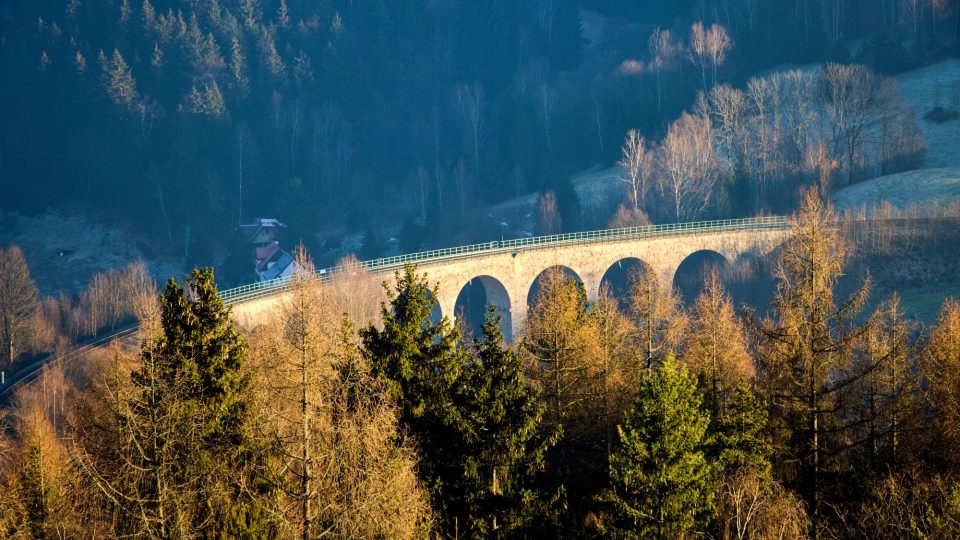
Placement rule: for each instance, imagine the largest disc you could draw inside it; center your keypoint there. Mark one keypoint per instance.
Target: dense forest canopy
(184, 118)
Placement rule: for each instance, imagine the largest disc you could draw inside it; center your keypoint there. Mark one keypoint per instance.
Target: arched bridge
(508, 270)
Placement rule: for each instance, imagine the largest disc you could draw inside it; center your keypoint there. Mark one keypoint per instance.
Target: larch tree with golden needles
(19, 302)
(40, 492)
(805, 350)
(619, 374)
(716, 348)
(885, 403)
(941, 370)
(344, 468)
(561, 344)
(657, 316)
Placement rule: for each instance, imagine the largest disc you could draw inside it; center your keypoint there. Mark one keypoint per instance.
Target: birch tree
(688, 166)
(636, 162)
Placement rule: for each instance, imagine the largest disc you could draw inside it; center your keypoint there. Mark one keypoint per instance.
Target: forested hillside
(632, 417)
(181, 119)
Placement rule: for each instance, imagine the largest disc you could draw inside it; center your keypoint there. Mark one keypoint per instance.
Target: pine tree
(209, 102)
(149, 14)
(283, 15)
(194, 42)
(215, 12)
(271, 58)
(80, 62)
(156, 59)
(662, 482)
(125, 11)
(212, 59)
(737, 434)
(250, 9)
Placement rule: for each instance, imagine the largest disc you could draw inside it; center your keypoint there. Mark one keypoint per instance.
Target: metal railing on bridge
(273, 286)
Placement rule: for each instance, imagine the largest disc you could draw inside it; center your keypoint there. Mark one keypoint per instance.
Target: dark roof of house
(281, 264)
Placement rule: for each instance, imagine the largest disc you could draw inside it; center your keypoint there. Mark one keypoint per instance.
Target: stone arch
(474, 298)
(690, 273)
(617, 276)
(534, 288)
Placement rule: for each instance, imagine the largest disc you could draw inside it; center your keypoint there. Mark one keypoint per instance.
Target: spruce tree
(119, 81)
(659, 471)
(501, 442)
(737, 434)
(177, 455)
(420, 364)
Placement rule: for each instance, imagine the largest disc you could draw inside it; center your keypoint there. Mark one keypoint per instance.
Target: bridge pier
(518, 315)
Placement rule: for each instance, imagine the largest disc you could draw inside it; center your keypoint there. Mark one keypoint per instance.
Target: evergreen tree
(501, 443)
(200, 340)
(737, 434)
(120, 84)
(238, 68)
(176, 451)
(371, 248)
(421, 365)
(659, 471)
(149, 14)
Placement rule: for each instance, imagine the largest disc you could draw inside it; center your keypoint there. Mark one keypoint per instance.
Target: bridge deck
(253, 291)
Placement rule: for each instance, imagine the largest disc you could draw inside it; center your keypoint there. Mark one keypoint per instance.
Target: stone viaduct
(509, 269)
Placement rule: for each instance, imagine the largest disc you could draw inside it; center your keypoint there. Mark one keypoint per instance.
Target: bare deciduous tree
(663, 52)
(358, 292)
(697, 50)
(468, 100)
(848, 94)
(718, 45)
(688, 166)
(708, 46)
(728, 109)
(548, 214)
(636, 161)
